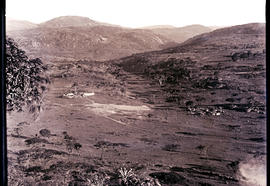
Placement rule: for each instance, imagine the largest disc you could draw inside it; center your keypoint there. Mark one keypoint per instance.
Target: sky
(141, 13)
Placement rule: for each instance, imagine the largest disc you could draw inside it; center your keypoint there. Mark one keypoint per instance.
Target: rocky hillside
(80, 37)
(220, 78)
(95, 43)
(180, 34)
(210, 73)
(83, 38)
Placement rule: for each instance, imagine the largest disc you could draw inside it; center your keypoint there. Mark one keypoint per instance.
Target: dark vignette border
(267, 88)
(3, 98)
(3, 153)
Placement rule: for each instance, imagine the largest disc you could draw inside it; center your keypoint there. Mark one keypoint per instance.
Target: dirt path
(83, 139)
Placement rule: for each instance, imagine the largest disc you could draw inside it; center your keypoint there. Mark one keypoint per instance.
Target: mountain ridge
(68, 21)
(93, 43)
(12, 24)
(180, 34)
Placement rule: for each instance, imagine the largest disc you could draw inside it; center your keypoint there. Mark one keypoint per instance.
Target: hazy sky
(139, 13)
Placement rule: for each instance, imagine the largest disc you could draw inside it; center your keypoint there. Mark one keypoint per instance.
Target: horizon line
(140, 27)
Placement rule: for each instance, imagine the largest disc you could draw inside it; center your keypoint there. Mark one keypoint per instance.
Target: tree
(25, 79)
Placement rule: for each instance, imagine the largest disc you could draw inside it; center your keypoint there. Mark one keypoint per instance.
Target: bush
(25, 79)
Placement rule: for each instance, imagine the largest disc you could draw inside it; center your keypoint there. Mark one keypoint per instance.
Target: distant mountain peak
(69, 21)
(180, 34)
(12, 24)
(157, 27)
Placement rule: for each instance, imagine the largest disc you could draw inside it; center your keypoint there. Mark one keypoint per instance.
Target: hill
(218, 78)
(157, 27)
(95, 43)
(80, 37)
(180, 34)
(19, 25)
(228, 63)
(69, 21)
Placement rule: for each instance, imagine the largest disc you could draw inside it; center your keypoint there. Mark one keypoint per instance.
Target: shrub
(25, 79)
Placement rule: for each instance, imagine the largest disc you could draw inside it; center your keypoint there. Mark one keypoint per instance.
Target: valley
(187, 114)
